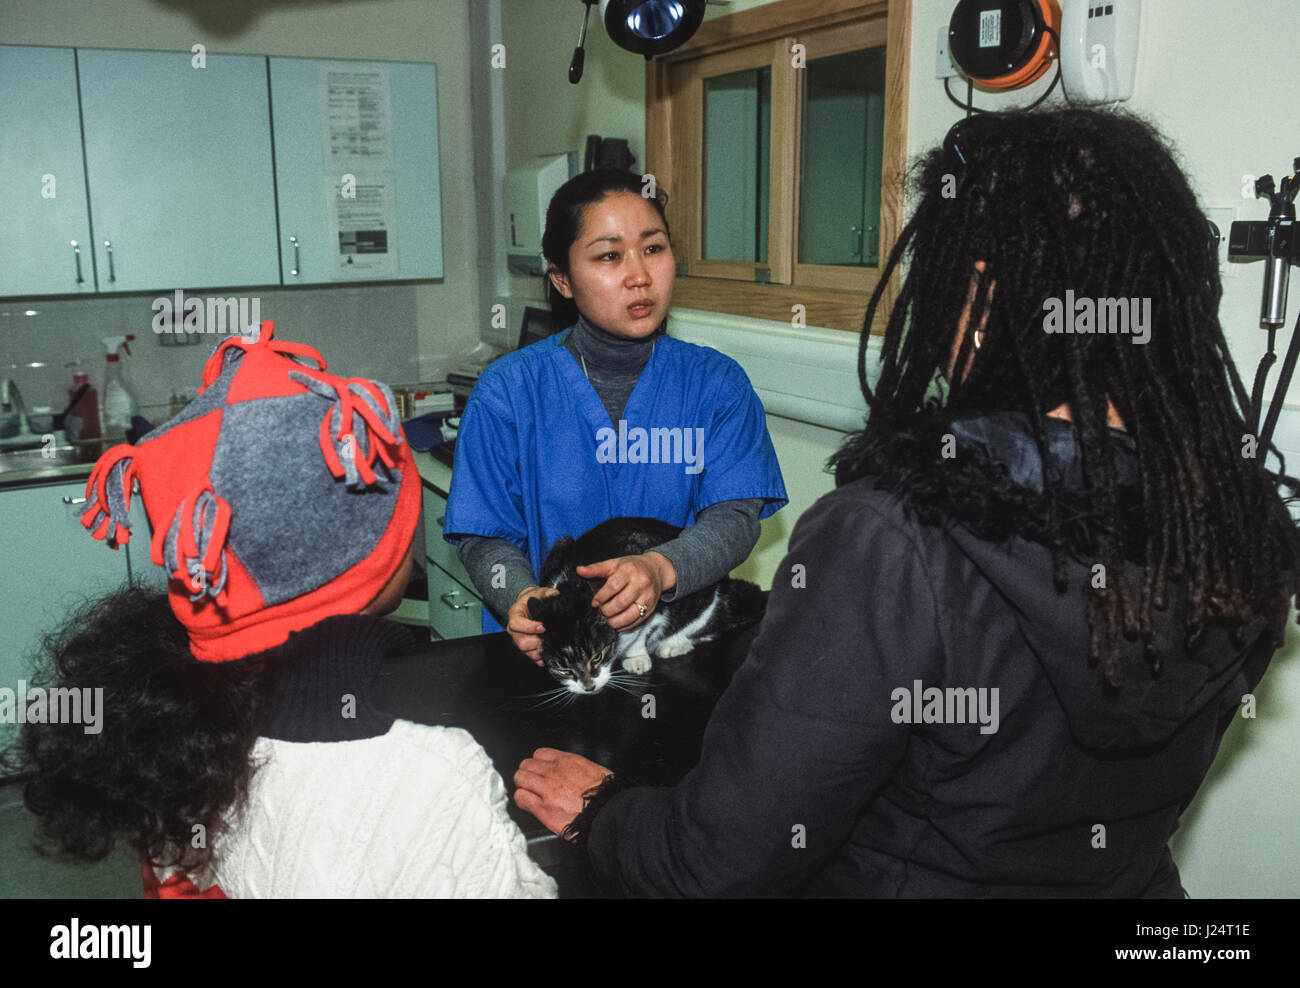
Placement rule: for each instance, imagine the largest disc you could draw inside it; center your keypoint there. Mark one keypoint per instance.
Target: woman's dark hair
(1090, 201)
(173, 752)
(564, 223)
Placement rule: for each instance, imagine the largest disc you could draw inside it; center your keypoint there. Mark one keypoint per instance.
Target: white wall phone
(1099, 45)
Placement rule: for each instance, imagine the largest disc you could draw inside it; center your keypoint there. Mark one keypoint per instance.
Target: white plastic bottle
(119, 402)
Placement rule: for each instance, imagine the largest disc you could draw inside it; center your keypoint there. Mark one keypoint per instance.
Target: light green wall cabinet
(325, 197)
(42, 184)
(182, 173)
(179, 166)
(49, 565)
(143, 571)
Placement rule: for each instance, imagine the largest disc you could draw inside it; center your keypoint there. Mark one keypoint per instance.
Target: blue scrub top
(537, 457)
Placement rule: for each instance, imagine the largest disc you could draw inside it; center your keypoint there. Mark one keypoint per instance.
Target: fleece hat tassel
(280, 496)
(349, 454)
(108, 496)
(194, 549)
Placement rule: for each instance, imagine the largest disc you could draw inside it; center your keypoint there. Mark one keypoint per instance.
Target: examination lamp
(646, 27)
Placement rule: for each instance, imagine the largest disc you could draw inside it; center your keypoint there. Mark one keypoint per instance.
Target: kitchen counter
(651, 734)
(435, 474)
(28, 469)
(44, 476)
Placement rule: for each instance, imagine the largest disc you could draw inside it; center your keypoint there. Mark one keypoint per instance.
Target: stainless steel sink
(40, 459)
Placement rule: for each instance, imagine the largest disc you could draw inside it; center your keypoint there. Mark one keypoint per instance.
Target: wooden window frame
(833, 296)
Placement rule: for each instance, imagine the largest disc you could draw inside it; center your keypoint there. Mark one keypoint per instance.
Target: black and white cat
(579, 647)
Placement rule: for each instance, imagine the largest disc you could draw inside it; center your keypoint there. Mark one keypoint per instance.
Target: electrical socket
(943, 67)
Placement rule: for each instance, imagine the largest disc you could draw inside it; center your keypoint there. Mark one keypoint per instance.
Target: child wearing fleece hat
(240, 751)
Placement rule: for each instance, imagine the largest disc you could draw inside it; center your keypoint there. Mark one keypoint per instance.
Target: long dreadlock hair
(1093, 201)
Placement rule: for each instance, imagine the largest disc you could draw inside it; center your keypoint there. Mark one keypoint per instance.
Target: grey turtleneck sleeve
(480, 556)
(721, 539)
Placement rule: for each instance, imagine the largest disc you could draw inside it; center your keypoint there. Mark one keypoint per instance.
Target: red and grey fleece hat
(281, 496)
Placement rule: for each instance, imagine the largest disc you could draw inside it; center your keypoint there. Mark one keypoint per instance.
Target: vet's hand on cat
(629, 582)
(551, 783)
(524, 630)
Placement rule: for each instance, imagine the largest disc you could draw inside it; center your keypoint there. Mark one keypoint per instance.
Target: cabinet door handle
(76, 256)
(451, 600)
(73, 500)
(108, 245)
(294, 271)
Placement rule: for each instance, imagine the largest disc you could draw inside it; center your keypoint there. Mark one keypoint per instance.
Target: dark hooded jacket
(830, 768)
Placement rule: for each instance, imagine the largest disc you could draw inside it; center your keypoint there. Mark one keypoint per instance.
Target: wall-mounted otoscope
(1274, 240)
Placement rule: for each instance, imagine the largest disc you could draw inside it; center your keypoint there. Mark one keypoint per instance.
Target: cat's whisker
(547, 698)
(632, 682)
(541, 693)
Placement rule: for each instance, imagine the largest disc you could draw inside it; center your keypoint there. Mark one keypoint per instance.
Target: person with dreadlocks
(999, 658)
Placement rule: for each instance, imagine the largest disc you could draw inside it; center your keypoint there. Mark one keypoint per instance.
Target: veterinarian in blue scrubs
(610, 417)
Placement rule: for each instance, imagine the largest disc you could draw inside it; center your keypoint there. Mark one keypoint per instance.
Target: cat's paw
(637, 664)
(672, 647)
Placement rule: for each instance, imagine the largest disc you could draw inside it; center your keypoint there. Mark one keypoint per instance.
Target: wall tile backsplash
(362, 331)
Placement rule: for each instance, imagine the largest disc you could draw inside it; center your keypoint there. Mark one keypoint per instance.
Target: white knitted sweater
(364, 805)
(417, 812)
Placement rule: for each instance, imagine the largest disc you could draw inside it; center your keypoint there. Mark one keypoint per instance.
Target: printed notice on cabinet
(358, 147)
(358, 118)
(362, 225)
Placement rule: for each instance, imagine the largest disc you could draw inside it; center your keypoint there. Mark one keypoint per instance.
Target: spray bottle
(81, 417)
(119, 402)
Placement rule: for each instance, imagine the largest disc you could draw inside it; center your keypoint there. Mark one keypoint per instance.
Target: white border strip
(807, 374)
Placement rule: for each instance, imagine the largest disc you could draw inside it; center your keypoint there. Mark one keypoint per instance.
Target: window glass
(843, 137)
(737, 160)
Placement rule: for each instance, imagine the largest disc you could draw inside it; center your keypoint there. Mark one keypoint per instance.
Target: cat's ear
(555, 559)
(537, 607)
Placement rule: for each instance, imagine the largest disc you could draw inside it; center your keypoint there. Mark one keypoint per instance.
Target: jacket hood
(1165, 680)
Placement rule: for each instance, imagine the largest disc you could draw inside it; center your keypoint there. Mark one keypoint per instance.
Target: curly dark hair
(174, 749)
(1089, 200)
